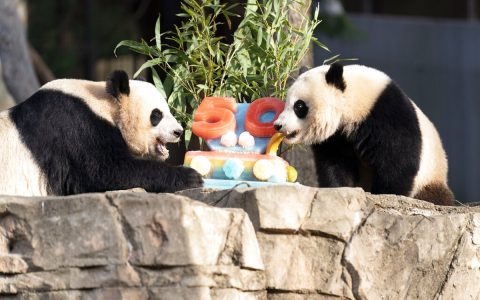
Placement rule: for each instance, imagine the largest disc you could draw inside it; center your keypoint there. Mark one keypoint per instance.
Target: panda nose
(277, 127)
(178, 132)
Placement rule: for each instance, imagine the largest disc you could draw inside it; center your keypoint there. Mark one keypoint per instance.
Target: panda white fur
(366, 132)
(77, 136)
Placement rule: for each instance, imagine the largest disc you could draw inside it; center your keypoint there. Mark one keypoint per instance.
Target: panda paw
(188, 178)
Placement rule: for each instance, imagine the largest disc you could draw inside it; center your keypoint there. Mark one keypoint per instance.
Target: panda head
(143, 116)
(313, 110)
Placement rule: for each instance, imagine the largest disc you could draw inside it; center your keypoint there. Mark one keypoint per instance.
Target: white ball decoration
(246, 140)
(229, 139)
(201, 164)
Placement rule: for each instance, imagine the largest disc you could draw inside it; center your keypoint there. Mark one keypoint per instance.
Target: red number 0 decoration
(214, 117)
(256, 110)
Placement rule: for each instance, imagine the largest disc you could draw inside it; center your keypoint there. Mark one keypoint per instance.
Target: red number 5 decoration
(214, 117)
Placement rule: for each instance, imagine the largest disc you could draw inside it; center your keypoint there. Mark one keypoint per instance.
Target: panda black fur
(78, 136)
(366, 132)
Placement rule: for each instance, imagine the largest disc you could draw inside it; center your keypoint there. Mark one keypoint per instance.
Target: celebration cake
(242, 143)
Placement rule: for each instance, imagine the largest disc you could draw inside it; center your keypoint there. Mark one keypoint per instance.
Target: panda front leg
(160, 177)
(336, 163)
(392, 181)
(119, 174)
(393, 171)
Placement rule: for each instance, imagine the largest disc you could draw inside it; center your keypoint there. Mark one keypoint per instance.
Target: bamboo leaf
(158, 83)
(134, 46)
(158, 35)
(147, 64)
(259, 37)
(266, 49)
(331, 60)
(188, 137)
(168, 85)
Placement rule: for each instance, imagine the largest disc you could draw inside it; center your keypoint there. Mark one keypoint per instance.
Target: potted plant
(266, 51)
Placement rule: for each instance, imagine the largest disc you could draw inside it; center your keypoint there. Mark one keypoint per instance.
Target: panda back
(433, 159)
(20, 174)
(92, 93)
(65, 138)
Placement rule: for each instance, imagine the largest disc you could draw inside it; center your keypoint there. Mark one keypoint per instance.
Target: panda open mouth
(161, 148)
(291, 135)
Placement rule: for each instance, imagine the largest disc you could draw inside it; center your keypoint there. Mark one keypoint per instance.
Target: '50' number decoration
(215, 117)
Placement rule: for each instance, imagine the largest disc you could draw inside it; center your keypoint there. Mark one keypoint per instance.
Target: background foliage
(266, 50)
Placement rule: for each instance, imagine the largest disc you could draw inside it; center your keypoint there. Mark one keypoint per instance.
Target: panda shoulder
(370, 73)
(64, 85)
(91, 93)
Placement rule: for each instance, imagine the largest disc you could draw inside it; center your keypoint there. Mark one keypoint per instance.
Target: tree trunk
(18, 73)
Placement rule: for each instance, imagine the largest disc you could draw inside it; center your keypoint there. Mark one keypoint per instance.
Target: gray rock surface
(123, 245)
(281, 242)
(12, 264)
(326, 243)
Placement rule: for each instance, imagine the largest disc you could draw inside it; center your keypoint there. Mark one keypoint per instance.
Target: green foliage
(266, 49)
(269, 47)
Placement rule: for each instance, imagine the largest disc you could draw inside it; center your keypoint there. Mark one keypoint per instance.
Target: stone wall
(283, 242)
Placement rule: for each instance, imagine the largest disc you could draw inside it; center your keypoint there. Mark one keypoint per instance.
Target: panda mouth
(291, 135)
(161, 148)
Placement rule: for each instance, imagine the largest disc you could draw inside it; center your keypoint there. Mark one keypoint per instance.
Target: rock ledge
(282, 242)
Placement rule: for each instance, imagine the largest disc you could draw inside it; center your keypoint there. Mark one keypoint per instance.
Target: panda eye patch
(300, 109)
(155, 117)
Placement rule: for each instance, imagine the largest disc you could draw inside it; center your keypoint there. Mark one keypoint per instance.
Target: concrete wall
(437, 63)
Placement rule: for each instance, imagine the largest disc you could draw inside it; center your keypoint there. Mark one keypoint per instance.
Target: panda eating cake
(242, 141)
(366, 132)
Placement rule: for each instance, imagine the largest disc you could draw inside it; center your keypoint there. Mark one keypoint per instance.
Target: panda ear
(334, 76)
(117, 84)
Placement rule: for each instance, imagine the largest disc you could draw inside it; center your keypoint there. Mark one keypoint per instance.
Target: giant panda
(365, 132)
(78, 136)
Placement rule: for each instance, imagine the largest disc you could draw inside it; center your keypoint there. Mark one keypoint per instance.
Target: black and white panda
(366, 132)
(77, 136)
